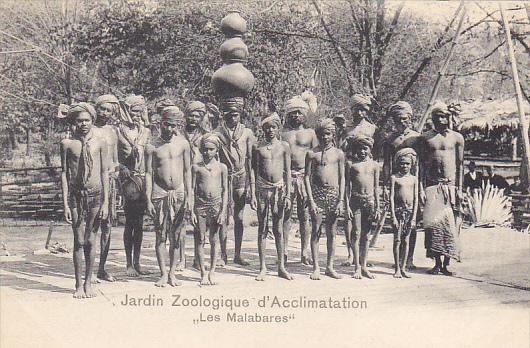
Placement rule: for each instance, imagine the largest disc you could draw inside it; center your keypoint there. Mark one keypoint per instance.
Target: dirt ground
(484, 305)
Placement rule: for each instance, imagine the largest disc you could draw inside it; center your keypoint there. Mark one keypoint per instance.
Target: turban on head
(326, 123)
(232, 104)
(360, 101)
(401, 108)
(135, 102)
(161, 104)
(171, 113)
(439, 108)
(296, 103)
(107, 98)
(195, 106)
(405, 152)
(80, 107)
(272, 118)
(360, 139)
(210, 138)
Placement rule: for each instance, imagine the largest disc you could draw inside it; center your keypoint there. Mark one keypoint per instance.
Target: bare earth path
(484, 305)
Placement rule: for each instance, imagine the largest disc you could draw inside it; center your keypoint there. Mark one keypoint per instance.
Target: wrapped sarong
(326, 198)
(270, 194)
(132, 189)
(83, 200)
(364, 202)
(210, 207)
(441, 233)
(403, 216)
(169, 209)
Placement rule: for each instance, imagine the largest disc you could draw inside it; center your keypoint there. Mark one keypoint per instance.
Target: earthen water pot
(232, 80)
(233, 25)
(234, 50)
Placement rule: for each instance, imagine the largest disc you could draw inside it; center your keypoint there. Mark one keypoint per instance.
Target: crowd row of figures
(189, 174)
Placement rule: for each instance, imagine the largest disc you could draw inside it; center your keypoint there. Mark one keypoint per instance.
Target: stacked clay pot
(233, 79)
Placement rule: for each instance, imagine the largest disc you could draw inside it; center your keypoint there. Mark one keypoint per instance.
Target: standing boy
(168, 191)
(403, 206)
(271, 161)
(362, 186)
(324, 180)
(85, 184)
(210, 187)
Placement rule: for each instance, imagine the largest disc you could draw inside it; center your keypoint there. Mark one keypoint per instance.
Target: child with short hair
(403, 205)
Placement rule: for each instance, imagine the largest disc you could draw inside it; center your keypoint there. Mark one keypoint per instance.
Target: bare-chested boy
(85, 185)
(168, 191)
(403, 136)
(210, 186)
(324, 180)
(441, 171)
(235, 152)
(300, 140)
(403, 206)
(271, 161)
(133, 137)
(107, 108)
(362, 186)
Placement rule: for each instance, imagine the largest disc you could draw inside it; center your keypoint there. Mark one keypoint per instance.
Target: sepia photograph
(260, 173)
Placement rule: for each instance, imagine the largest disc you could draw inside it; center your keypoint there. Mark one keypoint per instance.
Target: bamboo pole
(441, 72)
(523, 123)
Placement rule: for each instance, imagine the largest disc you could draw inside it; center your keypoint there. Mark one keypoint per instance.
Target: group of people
(188, 173)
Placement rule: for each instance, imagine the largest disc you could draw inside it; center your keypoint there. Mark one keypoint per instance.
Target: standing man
(360, 126)
(193, 131)
(473, 179)
(235, 153)
(402, 137)
(107, 108)
(133, 137)
(300, 140)
(442, 155)
(84, 182)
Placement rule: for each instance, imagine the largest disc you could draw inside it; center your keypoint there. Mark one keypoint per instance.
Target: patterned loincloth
(441, 233)
(270, 194)
(403, 216)
(208, 207)
(364, 202)
(326, 198)
(83, 200)
(169, 209)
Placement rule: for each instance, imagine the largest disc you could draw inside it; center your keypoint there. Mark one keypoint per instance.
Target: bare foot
(196, 265)
(410, 267)
(435, 270)
(131, 272)
(367, 274)
(104, 275)
(204, 280)
(306, 260)
(181, 265)
(261, 275)
(140, 270)
(79, 292)
(330, 272)
(315, 275)
(357, 274)
(95, 280)
(405, 274)
(172, 280)
(220, 263)
(161, 283)
(240, 261)
(282, 273)
(397, 274)
(89, 292)
(211, 278)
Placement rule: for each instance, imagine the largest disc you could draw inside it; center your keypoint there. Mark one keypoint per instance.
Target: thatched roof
(487, 115)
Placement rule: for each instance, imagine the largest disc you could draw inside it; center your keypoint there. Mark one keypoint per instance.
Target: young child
(271, 162)
(210, 186)
(362, 186)
(403, 205)
(85, 185)
(324, 180)
(168, 191)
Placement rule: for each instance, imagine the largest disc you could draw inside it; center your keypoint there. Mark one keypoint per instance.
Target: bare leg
(305, 231)
(128, 240)
(214, 230)
(365, 231)
(277, 229)
(160, 248)
(403, 252)
(354, 238)
(223, 260)
(239, 207)
(331, 231)
(396, 250)
(182, 252)
(200, 232)
(91, 228)
(262, 241)
(378, 229)
(315, 239)
(286, 226)
(105, 247)
(347, 235)
(138, 238)
(174, 243)
(410, 256)
(78, 256)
